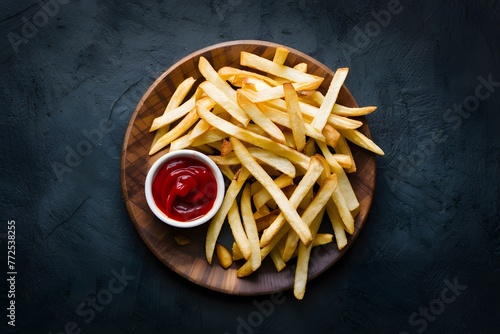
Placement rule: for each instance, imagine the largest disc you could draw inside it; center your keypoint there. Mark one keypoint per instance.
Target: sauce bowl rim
(187, 153)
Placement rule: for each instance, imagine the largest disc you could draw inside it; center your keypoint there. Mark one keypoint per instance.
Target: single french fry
(225, 147)
(287, 209)
(341, 122)
(215, 225)
(265, 65)
(227, 72)
(280, 55)
(180, 143)
(345, 161)
(322, 239)
(224, 256)
(210, 136)
(182, 240)
(216, 145)
(205, 148)
(331, 134)
(352, 112)
(326, 168)
(250, 83)
(317, 98)
(302, 67)
(227, 172)
(310, 148)
(240, 237)
(250, 227)
(307, 199)
(360, 139)
(279, 264)
(237, 254)
(200, 128)
(303, 257)
(343, 209)
(265, 221)
(325, 110)
(295, 114)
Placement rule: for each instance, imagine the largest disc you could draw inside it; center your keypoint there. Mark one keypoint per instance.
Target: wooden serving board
(189, 260)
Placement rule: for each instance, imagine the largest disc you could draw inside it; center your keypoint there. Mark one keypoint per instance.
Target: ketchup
(184, 189)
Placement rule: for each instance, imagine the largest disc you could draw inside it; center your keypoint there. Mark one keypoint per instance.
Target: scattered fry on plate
(224, 256)
(182, 240)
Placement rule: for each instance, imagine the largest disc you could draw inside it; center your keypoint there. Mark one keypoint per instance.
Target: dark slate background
(435, 217)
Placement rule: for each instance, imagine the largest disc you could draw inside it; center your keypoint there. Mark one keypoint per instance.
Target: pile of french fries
(284, 147)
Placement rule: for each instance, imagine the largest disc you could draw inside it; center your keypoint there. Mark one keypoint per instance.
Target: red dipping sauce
(184, 189)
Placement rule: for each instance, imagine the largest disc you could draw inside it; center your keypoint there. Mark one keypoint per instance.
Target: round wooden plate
(189, 260)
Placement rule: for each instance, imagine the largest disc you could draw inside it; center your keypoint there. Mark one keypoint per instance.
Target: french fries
(317, 204)
(250, 228)
(268, 66)
(304, 254)
(283, 145)
(224, 256)
(325, 110)
(240, 237)
(296, 120)
(175, 101)
(283, 203)
(259, 118)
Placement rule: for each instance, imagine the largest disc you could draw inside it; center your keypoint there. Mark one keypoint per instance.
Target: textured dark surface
(73, 84)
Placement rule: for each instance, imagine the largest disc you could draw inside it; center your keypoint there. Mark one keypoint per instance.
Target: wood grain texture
(189, 260)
